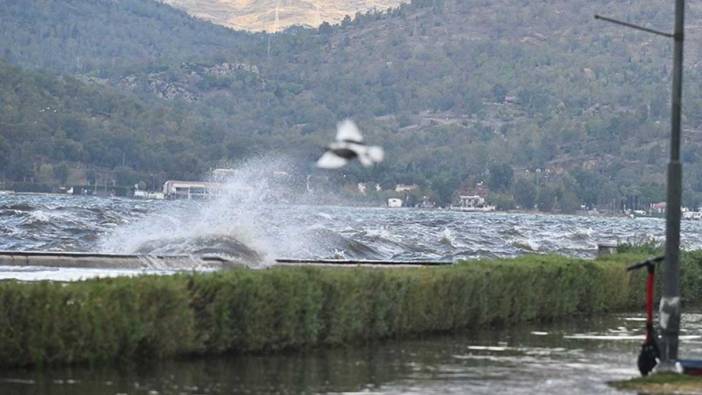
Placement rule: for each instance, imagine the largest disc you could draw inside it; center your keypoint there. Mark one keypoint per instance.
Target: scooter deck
(691, 367)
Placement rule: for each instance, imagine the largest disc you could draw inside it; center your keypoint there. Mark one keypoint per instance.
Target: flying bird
(348, 146)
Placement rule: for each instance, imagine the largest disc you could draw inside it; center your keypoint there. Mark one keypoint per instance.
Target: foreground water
(576, 357)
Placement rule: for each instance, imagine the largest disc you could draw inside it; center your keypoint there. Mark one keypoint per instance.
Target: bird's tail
(376, 154)
(372, 155)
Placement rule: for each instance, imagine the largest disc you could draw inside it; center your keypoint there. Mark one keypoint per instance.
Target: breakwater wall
(241, 310)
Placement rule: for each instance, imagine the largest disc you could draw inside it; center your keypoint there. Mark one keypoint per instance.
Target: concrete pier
(106, 261)
(83, 260)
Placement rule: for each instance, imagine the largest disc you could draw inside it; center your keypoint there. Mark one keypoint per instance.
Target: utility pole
(670, 301)
(669, 314)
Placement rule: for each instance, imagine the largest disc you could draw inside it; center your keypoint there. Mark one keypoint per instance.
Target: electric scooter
(650, 352)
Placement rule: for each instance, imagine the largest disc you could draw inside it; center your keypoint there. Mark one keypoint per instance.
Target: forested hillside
(105, 36)
(276, 15)
(539, 100)
(60, 120)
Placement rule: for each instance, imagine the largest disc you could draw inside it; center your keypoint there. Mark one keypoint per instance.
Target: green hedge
(264, 310)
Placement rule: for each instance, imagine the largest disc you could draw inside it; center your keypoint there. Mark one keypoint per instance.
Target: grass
(108, 320)
(663, 383)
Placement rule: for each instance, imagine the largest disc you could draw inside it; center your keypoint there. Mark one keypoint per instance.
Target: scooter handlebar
(646, 263)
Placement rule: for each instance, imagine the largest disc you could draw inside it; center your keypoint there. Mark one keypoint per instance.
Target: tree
(501, 201)
(525, 193)
(325, 28)
(91, 176)
(588, 186)
(125, 176)
(499, 93)
(500, 177)
(444, 186)
(4, 154)
(568, 202)
(61, 173)
(346, 21)
(546, 198)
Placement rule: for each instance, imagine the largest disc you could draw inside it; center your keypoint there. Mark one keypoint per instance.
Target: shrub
(105, 320)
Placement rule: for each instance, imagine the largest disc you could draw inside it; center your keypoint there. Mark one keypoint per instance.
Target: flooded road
(575, 357)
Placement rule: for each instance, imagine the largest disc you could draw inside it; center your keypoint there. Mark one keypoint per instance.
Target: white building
(148, 195)
(399, 188)
(394, 203)
(472, 203)
(189, 189)
(222, 174)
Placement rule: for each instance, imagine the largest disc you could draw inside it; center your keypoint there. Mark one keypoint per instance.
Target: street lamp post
(670, 301)
(669, 315)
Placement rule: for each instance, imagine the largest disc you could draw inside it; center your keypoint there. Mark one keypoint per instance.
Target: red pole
(650, 281)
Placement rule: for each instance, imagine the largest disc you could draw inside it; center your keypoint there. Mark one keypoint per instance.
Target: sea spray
(251, 219)
(240, 223)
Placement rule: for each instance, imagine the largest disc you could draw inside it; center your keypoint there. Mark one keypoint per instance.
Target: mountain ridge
(277, 15)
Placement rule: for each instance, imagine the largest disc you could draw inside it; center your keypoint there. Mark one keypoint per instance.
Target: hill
(50, 124)
(276, 15)
(538, 100)
(102, 36)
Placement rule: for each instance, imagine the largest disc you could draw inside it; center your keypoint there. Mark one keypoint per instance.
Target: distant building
(427, 203)
(399, 188)
(148, 195)
(189, 190)
(472, 203)
(394, 203)
(480, 189)
(221, 174)
(658, 208)
(694, 215)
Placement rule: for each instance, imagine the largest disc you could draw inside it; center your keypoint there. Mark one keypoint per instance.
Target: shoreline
(661, 383)
(349, 204)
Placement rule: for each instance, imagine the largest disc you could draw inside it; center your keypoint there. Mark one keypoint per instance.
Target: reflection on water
(530, 359)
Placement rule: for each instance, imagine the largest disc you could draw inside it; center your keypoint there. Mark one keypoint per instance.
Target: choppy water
(92, 224)
(265, 212)
(576, 357)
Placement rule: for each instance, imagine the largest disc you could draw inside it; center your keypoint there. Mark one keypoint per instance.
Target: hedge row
(107, 320)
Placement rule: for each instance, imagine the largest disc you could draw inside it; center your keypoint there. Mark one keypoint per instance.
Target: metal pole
(670, 301)
(631, 25)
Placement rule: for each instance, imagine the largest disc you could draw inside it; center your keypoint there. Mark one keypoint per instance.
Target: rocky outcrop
(191, 82)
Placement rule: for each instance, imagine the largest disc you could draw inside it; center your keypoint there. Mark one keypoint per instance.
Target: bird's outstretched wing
(331, 161)
(348, 131)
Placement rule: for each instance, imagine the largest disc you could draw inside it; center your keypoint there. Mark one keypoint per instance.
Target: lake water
(575, 357)
(233, 226)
